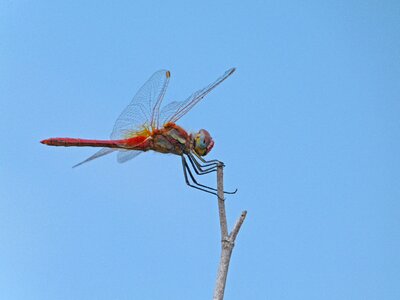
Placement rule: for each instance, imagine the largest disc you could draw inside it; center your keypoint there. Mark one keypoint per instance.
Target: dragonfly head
(203, 142)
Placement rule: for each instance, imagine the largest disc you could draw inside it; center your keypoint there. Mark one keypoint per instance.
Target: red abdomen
(68, 142)
(132, 143)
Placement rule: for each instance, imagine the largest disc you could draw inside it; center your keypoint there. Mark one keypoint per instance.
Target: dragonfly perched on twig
(144, 126)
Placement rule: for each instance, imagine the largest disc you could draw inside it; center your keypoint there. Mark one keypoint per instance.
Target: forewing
(175, 110)
(143, 111)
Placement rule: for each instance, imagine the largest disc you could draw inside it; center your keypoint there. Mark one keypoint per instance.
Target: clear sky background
(308, 128)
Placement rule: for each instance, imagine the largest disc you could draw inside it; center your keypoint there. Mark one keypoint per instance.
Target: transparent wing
(143, 111)
(177, 109)
(100, 153)
(125, 155)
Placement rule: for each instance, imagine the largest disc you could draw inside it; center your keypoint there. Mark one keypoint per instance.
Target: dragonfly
(144, 125)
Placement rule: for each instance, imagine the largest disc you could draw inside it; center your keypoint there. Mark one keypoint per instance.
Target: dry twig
(227, 239)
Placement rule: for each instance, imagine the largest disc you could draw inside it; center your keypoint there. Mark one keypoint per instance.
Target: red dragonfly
(144, 126)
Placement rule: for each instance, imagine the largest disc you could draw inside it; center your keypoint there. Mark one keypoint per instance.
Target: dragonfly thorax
(202, 142)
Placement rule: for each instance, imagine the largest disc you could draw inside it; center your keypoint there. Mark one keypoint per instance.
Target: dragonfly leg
(208, 162)
(198, 168)
(187, 170)
(197, 185)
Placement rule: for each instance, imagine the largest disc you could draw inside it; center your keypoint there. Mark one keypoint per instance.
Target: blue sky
(308, 127)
